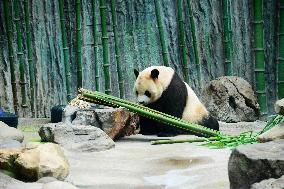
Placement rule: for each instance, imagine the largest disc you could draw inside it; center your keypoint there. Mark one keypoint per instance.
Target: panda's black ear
(136, 72)
(155, 73)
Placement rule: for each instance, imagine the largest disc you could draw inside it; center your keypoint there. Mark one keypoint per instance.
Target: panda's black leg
(166, 130)
(147, 126)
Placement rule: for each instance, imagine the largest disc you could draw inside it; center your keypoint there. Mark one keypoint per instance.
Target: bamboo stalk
(116, 48)
(227, 37)
(280, 66)
(161, 32)
(30, 54)
(174, 141)
(182, 41)
(20, 54)
(97, 70)
(79, 44)
(9, 30)
(65, 50)
(103, 13)
(259, 55)
(194, 42)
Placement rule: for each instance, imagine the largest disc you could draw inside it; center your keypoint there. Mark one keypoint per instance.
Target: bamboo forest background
(55, 46)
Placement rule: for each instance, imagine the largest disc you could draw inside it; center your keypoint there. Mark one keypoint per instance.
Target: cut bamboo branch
(30, 55)
(182, 41)
(116, 48)
(161, 32)
(103, 13)
(280, 66)
(259, 55)
(97, 70)
(65, 50)
(227, 37)
(20, 54)
(79, 45)
(9, 31)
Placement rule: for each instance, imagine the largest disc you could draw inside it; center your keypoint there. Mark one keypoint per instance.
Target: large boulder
(86, 117)
(58, 185)
(253, 163)
(83, 138)
(10, 143)
(270, 184)
(44, 160)
(231, 99)
(279, 106)
(7, 158)
(10, 133)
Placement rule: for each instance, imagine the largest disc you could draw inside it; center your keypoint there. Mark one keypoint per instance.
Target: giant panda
(160, 88)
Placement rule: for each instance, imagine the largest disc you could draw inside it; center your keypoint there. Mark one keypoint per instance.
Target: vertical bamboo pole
(30, 54)
(9, 30)
(20, 54)
(259, 55)
(97, 72)
(194, 42)
(103, 13)
(79, 44)
(227, 37)
(182, 41)
(116, 48)
(161, 32)
(65, 50)
(280, 66)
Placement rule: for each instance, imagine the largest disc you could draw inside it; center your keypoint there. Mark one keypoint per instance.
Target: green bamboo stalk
(259, 55)
(227, 37)
(156, 142)
(79, 44)
(116, 49)
(194, 43)
(65, 50)
(9, 30)
(161, 32)
(30, 55)
(97, 72)
(103, 13)
(280, 66)
(20, 54)
(182, 41)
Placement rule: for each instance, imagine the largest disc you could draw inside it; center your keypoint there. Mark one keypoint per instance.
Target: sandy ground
(135, 163)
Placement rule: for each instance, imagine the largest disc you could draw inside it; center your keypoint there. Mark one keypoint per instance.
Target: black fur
(210, 122)
(136, 73)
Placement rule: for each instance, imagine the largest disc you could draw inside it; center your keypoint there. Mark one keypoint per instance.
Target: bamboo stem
(30, 55)
(280, 66)
(8, 25)
(103, 13)
(182, 41)
(97, 70)
(227, 37)
(156, 142)
(194, 42)
(259, 55)
(116, 48)
(79, 44)
(20, 54)
(161, 32)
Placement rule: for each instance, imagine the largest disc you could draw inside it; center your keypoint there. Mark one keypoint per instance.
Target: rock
(86, 117)
(10, 143)
(46, 180)
(253, 163)
(279, 106)
(270, 184)
(45, 160)
(7, 158)
(231, 99)
(76, 137)
(7, 132)
(24, 185)
(277, 132)
(5, 180)
(58, 185)
(69, 114)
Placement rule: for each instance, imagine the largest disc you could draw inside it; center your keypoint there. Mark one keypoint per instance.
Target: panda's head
(151, 82)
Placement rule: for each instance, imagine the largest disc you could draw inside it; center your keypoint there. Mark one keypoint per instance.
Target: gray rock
(46, 180)
(76, 137)
(58, 185)
(7, 132)
(6, 180)
(253, 163)
(9, 143)
(270, 184)
(86, 117)
(231, 99)
(23, 185)
(69, 111)
(279, 106)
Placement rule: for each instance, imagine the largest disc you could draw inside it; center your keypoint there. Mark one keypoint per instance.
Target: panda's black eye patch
(148, 94)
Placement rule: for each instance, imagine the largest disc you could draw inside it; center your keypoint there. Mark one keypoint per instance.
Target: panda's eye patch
(148, 94)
